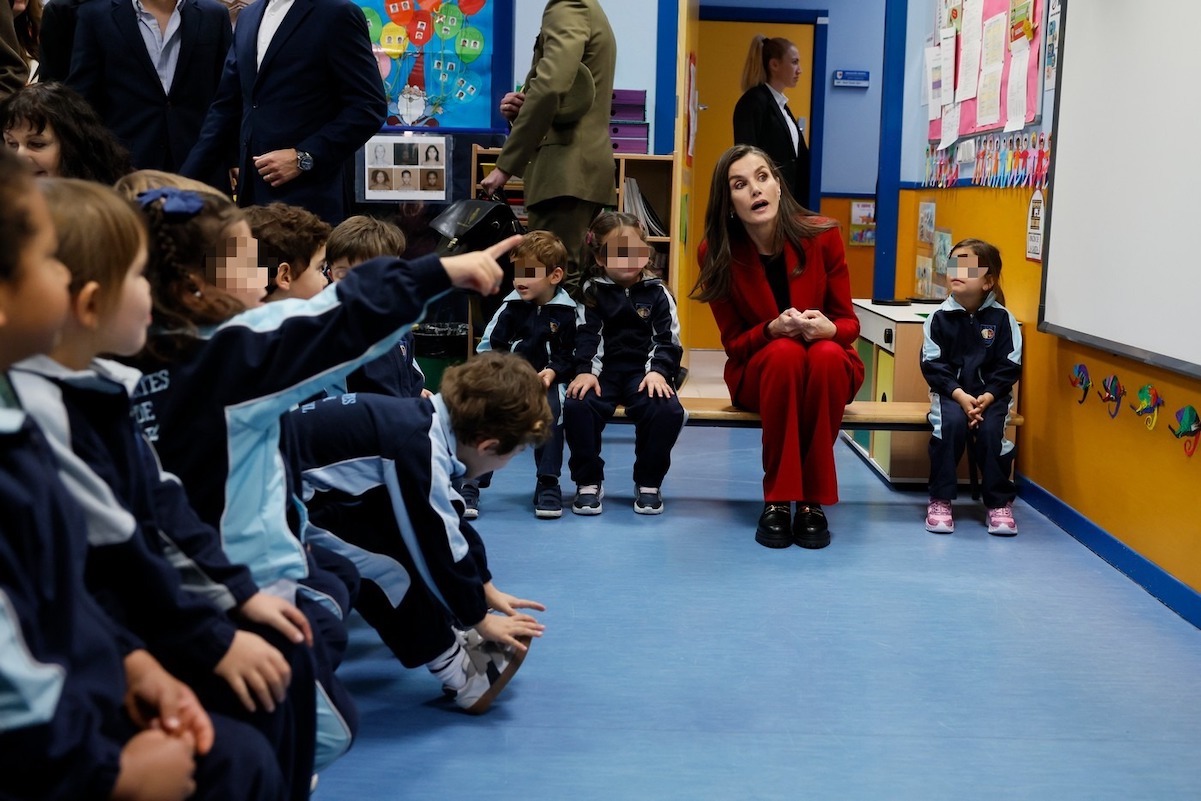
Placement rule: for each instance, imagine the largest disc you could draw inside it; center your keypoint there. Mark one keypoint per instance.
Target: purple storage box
(630, 146)
(629, 130)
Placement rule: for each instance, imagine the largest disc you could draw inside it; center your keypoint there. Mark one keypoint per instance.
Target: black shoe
(773, 526)
(809, 528)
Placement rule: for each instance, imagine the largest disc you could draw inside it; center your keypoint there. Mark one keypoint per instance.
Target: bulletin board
(968, 125)
(439, 59)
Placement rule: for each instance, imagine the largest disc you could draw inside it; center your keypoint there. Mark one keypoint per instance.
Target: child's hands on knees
(968, 404)
(505, 630)
(268, 610)
(979, 404)
(478, 270)
(548, 377)
(656, 385)
(582, 384)
(155, 767)
(254, 668)
(507, 604)
(155, 699)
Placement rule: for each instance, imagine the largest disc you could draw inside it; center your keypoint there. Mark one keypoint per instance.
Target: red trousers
(800, 391)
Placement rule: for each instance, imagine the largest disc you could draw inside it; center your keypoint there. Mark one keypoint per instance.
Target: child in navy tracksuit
(67, 668)
(137, 517)
(537, 322)
(972, 357)
(353, 241)
(219, 373)
(379, 471)
(628, 352)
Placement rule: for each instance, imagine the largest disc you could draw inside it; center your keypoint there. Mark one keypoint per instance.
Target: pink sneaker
(938, 517)
(1000, 521)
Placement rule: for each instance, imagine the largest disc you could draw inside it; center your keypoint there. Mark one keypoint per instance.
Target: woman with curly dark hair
(54, 129)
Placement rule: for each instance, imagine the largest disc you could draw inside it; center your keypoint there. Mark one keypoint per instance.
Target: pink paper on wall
(1034, 80)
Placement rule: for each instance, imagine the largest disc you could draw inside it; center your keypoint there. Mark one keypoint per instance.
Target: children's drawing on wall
(924, 278)
(1187, 428)
(863, 224)
(1149, 401)
(1051, 60)
(435, 59)
(942, 252)
(925, 222)
(1081, 381)
(1111, 394)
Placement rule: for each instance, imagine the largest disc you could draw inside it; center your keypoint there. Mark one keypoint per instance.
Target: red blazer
(824, 284)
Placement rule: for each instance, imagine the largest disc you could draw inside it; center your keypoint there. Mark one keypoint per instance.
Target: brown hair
(543, 246)
(497, 396)
(360, 238)
(182, 247)
(139, 181)
(763, 51)
(28, 27)
(99, 234)
(286, 234)
(87, 149)
(594, 243)
(794, 223)
(990, 258)
(16, 184)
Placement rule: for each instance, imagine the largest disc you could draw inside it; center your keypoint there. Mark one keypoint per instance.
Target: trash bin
(437, 346)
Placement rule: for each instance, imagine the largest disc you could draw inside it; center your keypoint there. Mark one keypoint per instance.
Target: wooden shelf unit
(655, 176)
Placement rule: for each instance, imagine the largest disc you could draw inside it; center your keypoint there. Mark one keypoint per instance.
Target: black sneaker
(471, 500)
(648, 500)
(548, 498)
(588, 499)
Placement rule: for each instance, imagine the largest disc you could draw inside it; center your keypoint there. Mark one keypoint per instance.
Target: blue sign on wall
(859, 79)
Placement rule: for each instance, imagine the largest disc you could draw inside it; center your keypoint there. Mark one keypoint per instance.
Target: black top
(777, 278)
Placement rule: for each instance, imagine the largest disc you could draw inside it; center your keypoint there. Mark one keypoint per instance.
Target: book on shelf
(633, 202)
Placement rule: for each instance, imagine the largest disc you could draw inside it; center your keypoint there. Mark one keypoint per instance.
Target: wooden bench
(859, 415)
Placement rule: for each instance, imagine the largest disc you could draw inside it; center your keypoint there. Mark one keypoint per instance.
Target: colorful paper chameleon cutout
(1114, 392)
(1149, 401)
(1188, 429)
(1081, 381)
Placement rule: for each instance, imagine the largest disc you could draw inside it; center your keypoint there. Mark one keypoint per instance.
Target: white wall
(855, 41)
(635, 24)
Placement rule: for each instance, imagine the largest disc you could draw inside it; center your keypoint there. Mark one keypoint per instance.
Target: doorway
(724, 36)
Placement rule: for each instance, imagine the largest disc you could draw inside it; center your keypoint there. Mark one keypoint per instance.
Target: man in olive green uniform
(560, 141)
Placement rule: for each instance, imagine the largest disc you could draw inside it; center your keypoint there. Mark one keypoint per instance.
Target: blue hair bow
(183, 202)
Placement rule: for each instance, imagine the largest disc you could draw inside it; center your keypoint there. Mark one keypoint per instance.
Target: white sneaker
(488, 668)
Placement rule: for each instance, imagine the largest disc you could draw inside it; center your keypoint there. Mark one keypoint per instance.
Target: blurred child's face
(624, 256)
(35, 302)
(238, 271)
(534, 281)
(970, 282)
(124, 328)
(41, 150)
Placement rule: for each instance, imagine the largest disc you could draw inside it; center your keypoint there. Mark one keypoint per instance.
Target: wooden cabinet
(890, 344)
(654, 175)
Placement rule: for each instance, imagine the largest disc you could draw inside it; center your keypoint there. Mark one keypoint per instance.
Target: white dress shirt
(790, 123)
(273, 16)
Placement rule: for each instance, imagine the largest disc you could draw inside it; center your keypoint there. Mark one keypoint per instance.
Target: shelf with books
(653, 175)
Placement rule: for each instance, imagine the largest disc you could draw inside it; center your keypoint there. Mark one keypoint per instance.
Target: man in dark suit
(56, 39)
(300, 93)
(150, 71)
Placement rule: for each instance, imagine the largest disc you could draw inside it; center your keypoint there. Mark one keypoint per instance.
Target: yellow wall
(860, 261)
(1136, 484)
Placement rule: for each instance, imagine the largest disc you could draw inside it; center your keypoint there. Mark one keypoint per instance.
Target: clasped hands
(973, 405)
(810, 325)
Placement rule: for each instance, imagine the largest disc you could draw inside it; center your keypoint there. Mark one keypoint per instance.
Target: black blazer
(112, 70)
(56, 38)
(319, 91)
(758, 122)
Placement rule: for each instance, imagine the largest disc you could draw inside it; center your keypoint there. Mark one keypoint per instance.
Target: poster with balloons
(435, 59)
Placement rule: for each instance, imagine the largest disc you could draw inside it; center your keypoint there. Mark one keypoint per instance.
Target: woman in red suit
(775, 276)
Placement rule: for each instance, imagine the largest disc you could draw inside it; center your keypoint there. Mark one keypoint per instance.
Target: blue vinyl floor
(683, 661)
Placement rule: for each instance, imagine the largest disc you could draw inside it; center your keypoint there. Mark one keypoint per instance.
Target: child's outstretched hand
(656, 385)
(507, 604)
(478, 270)
(582, 384)
(280, 615)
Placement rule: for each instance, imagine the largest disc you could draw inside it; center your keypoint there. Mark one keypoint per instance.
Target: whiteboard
(1122, 257)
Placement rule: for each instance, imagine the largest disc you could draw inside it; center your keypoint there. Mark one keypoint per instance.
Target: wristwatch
(304, 161)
